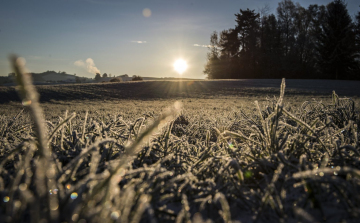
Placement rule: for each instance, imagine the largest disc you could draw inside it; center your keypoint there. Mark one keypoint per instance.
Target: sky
(134, 37)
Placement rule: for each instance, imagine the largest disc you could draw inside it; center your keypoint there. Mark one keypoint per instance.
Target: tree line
(317, 42)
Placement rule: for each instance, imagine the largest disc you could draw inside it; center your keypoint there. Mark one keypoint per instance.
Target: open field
(222, 157)
(227, 95)
(152, 90)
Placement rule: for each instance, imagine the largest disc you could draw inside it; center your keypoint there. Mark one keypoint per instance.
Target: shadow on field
(184, 89)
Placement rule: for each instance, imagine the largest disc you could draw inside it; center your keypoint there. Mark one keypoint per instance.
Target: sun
(180, 66)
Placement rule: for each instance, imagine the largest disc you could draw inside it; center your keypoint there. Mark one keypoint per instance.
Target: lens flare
(146, 12)
(180, 66)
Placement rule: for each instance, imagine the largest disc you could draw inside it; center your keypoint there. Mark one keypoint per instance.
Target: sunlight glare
(180, 66)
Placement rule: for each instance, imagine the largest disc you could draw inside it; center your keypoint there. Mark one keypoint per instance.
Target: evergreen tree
(229, 52)
(357, 31)
(270, 48)
(357, 42)
(247, 28)
(337, 49)
(248, 33)
(286, 16)
(305, 23)
(212, 66)
(318, 17)
(229, 43)
(303, 19)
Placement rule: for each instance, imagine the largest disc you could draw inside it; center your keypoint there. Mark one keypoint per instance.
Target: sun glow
(180, 66)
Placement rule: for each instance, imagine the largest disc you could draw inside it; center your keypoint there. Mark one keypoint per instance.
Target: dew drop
(74, 195)
(6, 199)
(115, 215)
(26, 102)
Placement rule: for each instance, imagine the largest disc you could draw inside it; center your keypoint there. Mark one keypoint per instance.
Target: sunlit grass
(265, 161)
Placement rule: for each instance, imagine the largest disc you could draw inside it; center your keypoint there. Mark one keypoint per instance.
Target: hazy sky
(119, 36)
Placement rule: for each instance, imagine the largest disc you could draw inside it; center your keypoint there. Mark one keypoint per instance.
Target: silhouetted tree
(97, 77)
(247, 29)
(302, 25)
(317, 14)
(105, 75)
(212, 66)
(229, 51)
(270, 48)
(357, 30)
(136, 78)
(357, 43)
(313, 42)
(229, 43)
(286, 19)
(337, 49)
(301, 59)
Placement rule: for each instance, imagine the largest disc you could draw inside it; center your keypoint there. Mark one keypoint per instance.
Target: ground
(212, 96)
(238, 150)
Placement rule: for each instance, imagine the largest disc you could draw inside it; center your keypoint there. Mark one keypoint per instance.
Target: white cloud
(206, 46)
(89, 65)
(138, 41)
(79, 63)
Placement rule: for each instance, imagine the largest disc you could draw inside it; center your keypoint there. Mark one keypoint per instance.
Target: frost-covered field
(180, 158)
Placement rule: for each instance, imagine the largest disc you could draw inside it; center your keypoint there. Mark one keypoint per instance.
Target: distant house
(125, 77)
